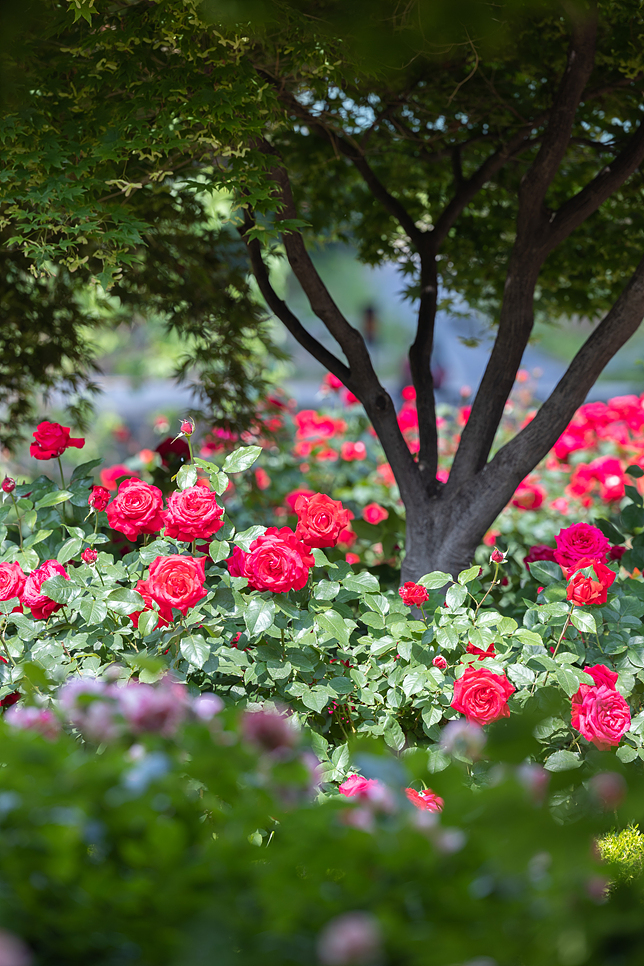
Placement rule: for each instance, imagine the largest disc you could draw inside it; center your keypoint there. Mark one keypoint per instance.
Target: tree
(497, 159)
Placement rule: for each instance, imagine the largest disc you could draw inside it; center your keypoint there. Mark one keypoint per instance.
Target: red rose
(528, 496)
(51, 440)
(579, 541)
(374, 513)
(177, 582)
(482, 696)
(193, 514)
(540, 551)
(356, 785)
(413, 595)
(165, 612)
(99, 498)
(602, 675)
(616, 553)
(12, 582)
(40, 605)
(440, 662)
(427, 800)
(237, 563)
(601, 714)
(582, 589)
(277, 561)
(320, 520)
(473, 649)
(111, 475)
(137, 508)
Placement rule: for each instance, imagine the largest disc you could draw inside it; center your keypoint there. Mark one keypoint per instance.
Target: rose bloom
(291, 498)
(277, 561)
(137, 508)
(99, 498)
(616, 553)
(528, 496)
(12, 582)
(579, 541)
(473, 649)
(165, 612)
(352, 558)
(192, 514)
(601, 715)
(346, 538)
(540, 551)
(40, 605)
(482, 696)
(353, 451)
(262, 479)
(374, 513)
(111, 474)
(356, 785)
(584, 590)
(51, 440)
(427, 800)
(320, 520)
(177, 582)
(413, 595)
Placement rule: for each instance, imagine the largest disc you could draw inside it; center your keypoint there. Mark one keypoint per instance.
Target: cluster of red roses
(280, 559)
(581, 552)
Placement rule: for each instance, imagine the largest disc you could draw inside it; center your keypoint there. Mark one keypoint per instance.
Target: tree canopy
(491, 151)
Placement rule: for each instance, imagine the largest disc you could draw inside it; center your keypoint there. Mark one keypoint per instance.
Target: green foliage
(624, 852)
(202, 847)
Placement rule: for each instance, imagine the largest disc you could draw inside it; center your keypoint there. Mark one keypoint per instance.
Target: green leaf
(124, 601)
(187, 476)
(259, 615)
(584, 621)
(219, 550)
(326, 590)
(341, 685)
(69, 549)
(563, 761)
(6, 606)
(466, 576)
(363, 582)
(246, 537)
(609, 530)
(148, 622)
(435, 581)
(332, 626)
(195, 650)
(520, 675)
(545, 571)
(568, 681)
(37, 537)
(626, 753)
(53, 498)
(93, 611)
(455, 596)
(61, 590)
(241, 459)
(635, 471)
(85, 468)
(316, 699)
(393, 734)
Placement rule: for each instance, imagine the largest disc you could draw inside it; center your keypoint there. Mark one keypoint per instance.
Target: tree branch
(500, 477)
(529, 251)
(420, 355)
(284, 314)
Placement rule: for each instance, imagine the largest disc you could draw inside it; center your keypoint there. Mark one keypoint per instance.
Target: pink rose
(482, 696)
(40, 605)
(540, 551)
(356, 785)
(579, 541)
(277, 561)
(193, 514)
(427, 800)
(12, 582)
(137, 508)
(374, 513)
(601, 714)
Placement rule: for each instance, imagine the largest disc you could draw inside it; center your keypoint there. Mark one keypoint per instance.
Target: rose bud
(89, 556)
(99, 498)
(440, 662)
(8, 485)
(497, 556)
(187, 427)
